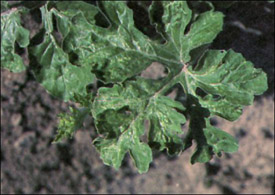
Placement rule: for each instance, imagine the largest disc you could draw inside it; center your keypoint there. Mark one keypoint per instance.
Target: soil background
(31, 164)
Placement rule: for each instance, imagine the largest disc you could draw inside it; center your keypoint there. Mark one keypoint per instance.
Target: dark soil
(31, 164)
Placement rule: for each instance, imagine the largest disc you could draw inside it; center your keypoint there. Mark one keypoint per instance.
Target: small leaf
(70, 123)
(202, 154)
(220, 140)
(142, 156)
(210, 140)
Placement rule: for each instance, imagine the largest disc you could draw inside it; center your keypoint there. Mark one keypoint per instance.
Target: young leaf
(69, 123)
(12, 33)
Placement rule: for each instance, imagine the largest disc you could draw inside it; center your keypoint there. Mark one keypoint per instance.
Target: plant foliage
(80, 43)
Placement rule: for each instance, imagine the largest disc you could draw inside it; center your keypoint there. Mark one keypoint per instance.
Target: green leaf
(203, 31)
(4, 6)
(112, 150)
(80, 42)
(181, 40)
(52, 65)
(74, 22)
(165, 125)
(220, 140)
(110, 50)
(70, 123)
(229, 81)
(12, 33)
(210, 140)
(117, 45)
(120, 120)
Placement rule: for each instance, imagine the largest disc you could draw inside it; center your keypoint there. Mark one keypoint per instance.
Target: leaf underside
(82, 42)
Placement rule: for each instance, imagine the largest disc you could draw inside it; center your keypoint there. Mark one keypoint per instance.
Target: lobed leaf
(52, 65)
(81, 42)
(229, 81)
(123, 42)
(12, 33)
(120, 119)
(120, 43)
(210, 140)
